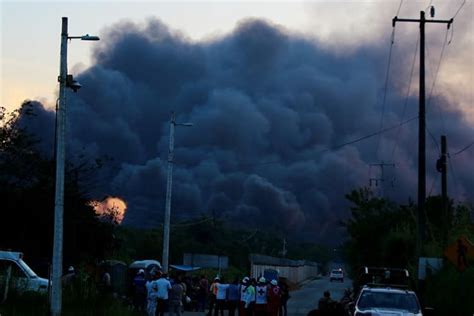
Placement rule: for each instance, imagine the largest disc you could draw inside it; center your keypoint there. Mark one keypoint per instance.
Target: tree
(27, 197)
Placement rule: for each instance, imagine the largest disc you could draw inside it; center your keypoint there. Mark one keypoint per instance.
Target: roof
(143, 264)
(183, 267)
(12, 255)
(386, 290)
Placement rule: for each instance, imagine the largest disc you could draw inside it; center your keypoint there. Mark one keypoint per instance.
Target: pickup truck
(18, 276)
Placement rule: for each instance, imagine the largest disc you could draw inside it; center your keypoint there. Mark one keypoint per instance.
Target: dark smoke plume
(266, 105)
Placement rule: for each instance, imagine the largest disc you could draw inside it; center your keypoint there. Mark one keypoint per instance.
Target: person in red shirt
(274, 298)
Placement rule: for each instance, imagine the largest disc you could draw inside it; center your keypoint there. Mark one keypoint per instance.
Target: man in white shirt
(261, 297)
(221, 295)
(163, 287)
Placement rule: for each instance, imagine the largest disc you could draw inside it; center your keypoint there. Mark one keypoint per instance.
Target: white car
(387, 301)
(19, 275)
(336, 274)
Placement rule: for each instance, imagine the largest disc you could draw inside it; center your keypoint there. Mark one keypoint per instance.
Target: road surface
(306, 298)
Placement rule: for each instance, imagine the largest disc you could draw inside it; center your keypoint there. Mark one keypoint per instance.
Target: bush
(452, 284)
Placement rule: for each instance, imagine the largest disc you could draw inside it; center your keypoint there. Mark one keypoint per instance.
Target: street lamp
(65, 81)
(166, 227)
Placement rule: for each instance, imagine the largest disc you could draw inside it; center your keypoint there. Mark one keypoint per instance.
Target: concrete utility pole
(421, 220)
(56, 286)
(65, 81)
(169, 186)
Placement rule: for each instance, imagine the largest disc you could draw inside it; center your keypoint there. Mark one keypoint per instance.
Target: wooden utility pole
(421, 220)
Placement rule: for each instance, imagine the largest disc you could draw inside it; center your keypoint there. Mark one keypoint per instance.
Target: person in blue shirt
(233, 296)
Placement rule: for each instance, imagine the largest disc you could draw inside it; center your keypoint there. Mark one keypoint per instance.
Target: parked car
(336, 274)
(387, 301)
(386, 291)
(19, 276)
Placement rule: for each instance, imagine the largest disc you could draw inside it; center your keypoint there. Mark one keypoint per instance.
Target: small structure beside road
(294, 271)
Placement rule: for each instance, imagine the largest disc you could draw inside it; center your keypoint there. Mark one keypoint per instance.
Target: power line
(435, 80)
(399, 7)
(465, 148)
(407, 96)
(433, 138)
(453, 176)
(462, 4)
(339, 145)
(387, 76)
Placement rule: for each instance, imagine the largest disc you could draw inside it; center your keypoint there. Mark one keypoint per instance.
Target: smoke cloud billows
(265, 104)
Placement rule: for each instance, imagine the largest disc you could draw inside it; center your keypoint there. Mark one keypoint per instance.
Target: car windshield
(401, 301)
(27, 269)
(336, 272)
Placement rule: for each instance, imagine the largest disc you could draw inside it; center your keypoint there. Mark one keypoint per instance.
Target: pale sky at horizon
(30, 34)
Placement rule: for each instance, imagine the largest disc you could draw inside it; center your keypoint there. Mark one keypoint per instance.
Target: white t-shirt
(242, 292)
(151, 289)
(221, 291)
(261, 294)
(163, 287)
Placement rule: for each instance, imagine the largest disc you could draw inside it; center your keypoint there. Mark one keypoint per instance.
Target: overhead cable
(465, 148)
(407, 96)
(387, 76)
(339, 145)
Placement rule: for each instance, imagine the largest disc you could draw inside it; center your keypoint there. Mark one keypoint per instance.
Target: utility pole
(166, 226)
(381, 178)
(169, 186)
(421, 220)
(441, 166)
(65, 81)
(57, 270)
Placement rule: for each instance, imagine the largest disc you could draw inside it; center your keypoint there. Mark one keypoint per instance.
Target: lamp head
(88, 37)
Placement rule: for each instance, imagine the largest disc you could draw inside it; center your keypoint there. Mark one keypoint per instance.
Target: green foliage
(380, 232)
(384, 234)
(81, 299)
(451, 292)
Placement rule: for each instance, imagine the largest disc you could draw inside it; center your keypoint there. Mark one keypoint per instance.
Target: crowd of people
(159, 293)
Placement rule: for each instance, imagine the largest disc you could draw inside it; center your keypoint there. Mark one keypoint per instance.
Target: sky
(30, 44)
(273, 90)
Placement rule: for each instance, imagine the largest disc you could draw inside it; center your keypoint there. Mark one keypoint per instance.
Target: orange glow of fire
(113, 208)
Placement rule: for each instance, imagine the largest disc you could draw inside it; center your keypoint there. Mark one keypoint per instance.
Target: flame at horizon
(112, 208)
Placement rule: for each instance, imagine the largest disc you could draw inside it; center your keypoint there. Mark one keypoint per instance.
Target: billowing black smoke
(266, 106)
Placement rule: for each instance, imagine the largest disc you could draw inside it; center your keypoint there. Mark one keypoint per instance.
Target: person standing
(139, 291)
(176, 297)
(163, 287)
(326, 305)
(202, 293)
(243, 288)
(152, 295)
(212, 295)
(233, 297)
(285, 296)
(221, 295)
(249, 298)
(261, 298)
(274, 298)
